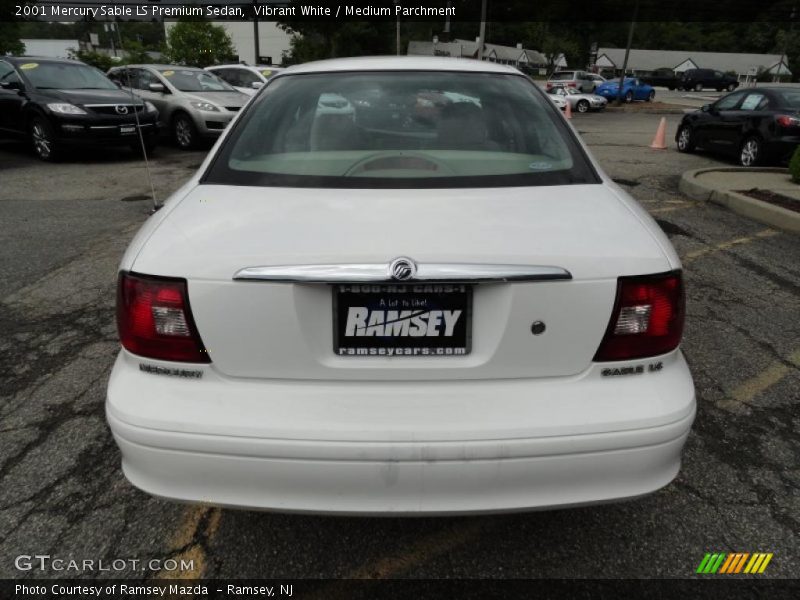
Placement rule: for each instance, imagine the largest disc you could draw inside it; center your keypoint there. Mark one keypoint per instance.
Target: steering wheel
(398, 159)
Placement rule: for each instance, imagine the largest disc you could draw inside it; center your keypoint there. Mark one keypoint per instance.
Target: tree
(198, 43)
(95, 59)
(9, 30)
(314, 40)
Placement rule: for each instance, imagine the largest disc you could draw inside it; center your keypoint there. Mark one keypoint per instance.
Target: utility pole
(786, 37)
(627, 52)
(397, 35)
(255, 34)
(482, 33)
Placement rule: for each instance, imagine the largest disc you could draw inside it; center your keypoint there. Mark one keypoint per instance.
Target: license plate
(404, 320)
(126, 129)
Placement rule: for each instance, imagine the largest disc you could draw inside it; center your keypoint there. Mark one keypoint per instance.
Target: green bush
(95, 59)
(794, 165)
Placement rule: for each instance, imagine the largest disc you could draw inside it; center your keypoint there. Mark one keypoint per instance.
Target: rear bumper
(401, 448)
(781, 148)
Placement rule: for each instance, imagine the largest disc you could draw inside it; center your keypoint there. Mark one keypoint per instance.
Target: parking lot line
(674, 207)
(199, 526)
(421, 551)
(750, 388)
(764, 233)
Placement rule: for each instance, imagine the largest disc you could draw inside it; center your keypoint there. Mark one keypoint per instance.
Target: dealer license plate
(407, 320)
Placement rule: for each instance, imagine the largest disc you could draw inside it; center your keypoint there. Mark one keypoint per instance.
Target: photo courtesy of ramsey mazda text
(400, 286)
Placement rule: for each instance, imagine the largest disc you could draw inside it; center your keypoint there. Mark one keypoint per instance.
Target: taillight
(154, 319)
(787, 121)
(647, 319)
(572, 84)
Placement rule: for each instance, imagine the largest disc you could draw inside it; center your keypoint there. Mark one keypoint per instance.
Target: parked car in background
(757, 126)
(698, 79)
(193, 103)
(56, 103)
(247, 79)
(398, 315)
(579, 101)
(633, 89)
(579, 80)
(662, 77)
(558, 99)
(597, 79)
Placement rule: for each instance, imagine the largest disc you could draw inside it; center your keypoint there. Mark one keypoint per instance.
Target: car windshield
(564, 75)
(190, 80)
(65, 76)
(400, 129)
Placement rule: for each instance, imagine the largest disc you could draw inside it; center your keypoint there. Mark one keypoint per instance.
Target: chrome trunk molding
(382, 273)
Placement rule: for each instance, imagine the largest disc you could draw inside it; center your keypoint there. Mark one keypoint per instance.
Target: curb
(764, 212)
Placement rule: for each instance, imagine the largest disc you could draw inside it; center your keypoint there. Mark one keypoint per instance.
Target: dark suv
(697, 79)
(56, 102)
(663, 77)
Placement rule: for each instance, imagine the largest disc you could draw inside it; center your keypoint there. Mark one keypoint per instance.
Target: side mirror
(11, 85)
(257, 85)
(706, 108)
(157, 87)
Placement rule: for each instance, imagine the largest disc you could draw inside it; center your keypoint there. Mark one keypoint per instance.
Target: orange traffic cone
(660, 141)
(568, 111)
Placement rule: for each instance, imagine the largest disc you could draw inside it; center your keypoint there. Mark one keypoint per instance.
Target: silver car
(193, 103)
(579, 80)
(579, 101)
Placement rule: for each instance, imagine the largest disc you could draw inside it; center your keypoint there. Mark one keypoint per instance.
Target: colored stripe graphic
(711, 562)
(734, 563)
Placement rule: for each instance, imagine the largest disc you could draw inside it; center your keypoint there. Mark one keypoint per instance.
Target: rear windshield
(564, 75)
(187, 80)
(400, 129)
(65, 76)
(789, 98)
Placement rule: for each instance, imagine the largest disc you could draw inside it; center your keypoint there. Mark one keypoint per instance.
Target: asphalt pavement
(62, 492)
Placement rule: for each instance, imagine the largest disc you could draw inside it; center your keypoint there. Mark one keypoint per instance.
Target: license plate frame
(127, 129)
(426, 303)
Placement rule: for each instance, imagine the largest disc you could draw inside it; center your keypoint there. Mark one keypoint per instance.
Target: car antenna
(156, 204)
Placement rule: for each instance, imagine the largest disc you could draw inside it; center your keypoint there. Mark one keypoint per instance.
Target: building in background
(516, 56)
(272, 41)
(50, 48)
(642, 62)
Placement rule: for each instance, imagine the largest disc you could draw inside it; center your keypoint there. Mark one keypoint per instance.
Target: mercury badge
(402, 269)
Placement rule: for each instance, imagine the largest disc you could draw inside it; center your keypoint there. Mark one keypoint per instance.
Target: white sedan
(410, 308)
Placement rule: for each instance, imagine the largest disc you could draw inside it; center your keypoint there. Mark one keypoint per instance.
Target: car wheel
(629, 97)
(698, 87)
(731, 87)
(651, 95)
(43, 139)
(751, 152)
(685, 140)
(582, 106)
(184, 132)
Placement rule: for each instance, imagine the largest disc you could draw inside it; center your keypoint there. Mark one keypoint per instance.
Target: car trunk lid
(285, 330)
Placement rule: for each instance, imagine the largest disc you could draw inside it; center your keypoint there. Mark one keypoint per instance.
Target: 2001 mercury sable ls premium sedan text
(433, 303)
